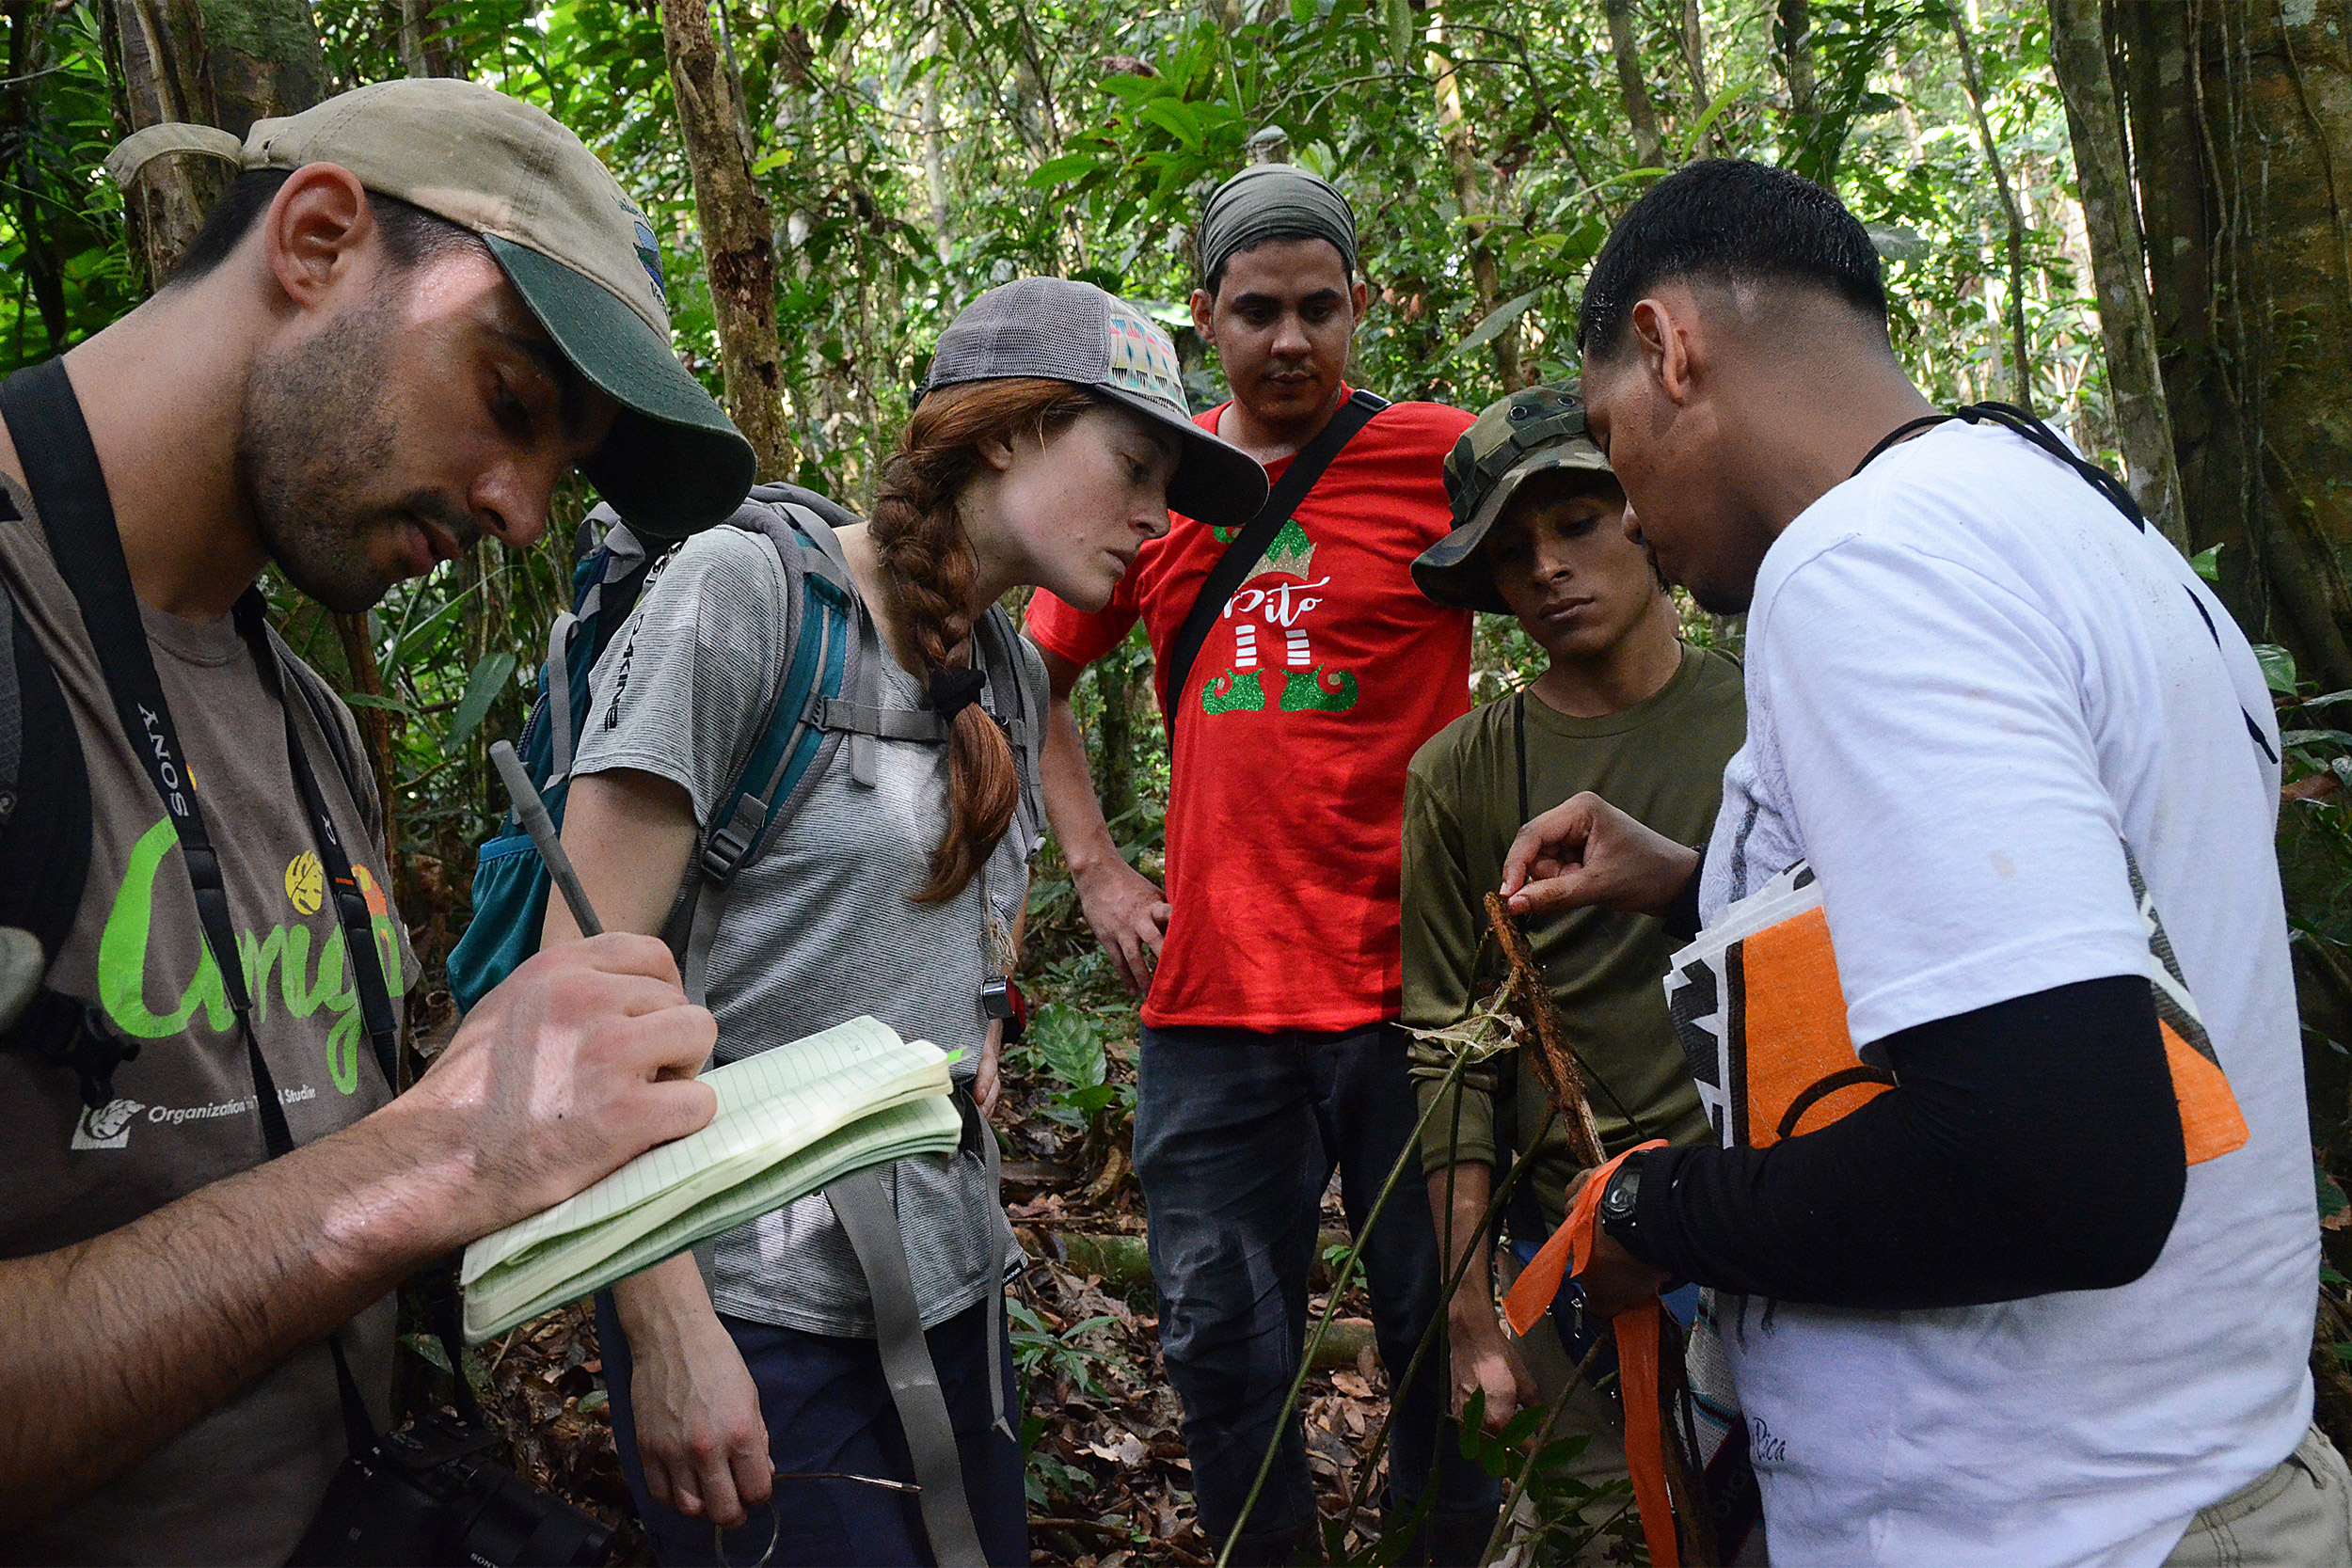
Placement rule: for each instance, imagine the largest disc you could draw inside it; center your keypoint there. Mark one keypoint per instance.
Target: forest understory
(1108, 1482)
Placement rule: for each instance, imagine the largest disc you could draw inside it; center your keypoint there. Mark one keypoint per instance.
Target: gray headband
(1274, 201)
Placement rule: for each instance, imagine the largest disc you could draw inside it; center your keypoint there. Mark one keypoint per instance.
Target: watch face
(1617, 1201)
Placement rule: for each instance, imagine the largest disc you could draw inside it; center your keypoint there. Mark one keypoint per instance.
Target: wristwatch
(1619, 1201)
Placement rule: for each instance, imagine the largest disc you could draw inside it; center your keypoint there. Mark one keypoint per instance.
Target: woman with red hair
(1046, 446)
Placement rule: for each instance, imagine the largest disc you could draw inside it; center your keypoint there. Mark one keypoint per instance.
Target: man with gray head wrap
(1270, 1052)
(1273, 201)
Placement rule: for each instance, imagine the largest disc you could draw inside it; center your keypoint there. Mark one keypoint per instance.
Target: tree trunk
(2237, 116)
(375, 725)
(738, 231)
(1792, 49)
(935, 167)
(1461, 152)
(221, 62)
(1115, 779)
(1694, 58)
(2143, 421)
(412, 27)
(2021, 355)
(1640, 114)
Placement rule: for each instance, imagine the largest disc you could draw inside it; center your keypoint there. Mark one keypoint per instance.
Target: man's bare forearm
(1458, 1197)
(111, 1346)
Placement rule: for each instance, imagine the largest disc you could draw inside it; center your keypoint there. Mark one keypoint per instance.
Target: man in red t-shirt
(1270, 967)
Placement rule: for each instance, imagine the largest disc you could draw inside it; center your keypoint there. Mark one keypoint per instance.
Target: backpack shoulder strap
(44, 791)
(330, 713)
(870, 1221)
(999, 647)
(1248, 547)
(793, 749)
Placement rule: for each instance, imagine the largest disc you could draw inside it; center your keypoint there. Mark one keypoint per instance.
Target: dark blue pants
(827, 1408)
(1236, 1136)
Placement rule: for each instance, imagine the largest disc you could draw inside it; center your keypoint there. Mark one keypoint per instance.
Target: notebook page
(579, 1265)
(769, 1103)
(731, 1175)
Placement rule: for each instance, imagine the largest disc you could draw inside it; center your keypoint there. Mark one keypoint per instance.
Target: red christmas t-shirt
(1324, 674)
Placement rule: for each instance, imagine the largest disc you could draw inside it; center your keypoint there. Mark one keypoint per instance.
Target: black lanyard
(68, 489)
(2021, 423)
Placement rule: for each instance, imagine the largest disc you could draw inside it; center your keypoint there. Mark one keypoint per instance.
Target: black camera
(430, 1495)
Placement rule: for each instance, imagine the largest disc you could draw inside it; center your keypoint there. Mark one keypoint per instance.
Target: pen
(532, 812)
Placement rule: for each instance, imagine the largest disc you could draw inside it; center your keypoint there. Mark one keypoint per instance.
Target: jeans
(827, 1408)
(1236, 1136)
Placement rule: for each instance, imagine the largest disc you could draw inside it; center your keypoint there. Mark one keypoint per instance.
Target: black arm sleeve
(1681, 920)
(2028, 1146)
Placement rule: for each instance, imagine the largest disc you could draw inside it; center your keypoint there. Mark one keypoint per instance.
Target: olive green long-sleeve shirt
(1661, 761)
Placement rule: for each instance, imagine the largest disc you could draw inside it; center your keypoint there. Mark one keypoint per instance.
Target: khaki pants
(1589, 1412)
(2299, 1515)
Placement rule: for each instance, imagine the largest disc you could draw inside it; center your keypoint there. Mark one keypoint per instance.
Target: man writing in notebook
(2041, 1293)
(391, 337)
(1269, 967)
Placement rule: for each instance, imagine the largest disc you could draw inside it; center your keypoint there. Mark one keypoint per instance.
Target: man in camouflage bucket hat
(1540, 536)
(417, 308)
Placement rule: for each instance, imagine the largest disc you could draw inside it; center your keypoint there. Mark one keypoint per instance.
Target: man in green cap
(419, 305)
(1625, 704)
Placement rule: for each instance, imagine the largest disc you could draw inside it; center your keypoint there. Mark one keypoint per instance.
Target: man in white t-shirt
(2025, 1305)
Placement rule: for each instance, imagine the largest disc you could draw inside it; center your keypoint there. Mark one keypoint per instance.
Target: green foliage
(913, 155)
(1576, 1515)
(1039, 1351)
(1068, 1044)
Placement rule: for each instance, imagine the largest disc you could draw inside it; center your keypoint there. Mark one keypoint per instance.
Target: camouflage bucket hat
(1531, 432)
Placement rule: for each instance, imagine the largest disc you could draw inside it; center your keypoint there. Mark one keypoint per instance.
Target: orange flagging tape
(1637, 1330)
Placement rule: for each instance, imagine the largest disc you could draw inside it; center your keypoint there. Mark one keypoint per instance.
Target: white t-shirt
(1971, 683)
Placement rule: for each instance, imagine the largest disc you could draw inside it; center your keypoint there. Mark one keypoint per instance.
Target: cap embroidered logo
(649, 256)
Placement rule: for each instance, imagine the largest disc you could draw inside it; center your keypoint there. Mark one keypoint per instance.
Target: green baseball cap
(1531, 432)
(577, 250)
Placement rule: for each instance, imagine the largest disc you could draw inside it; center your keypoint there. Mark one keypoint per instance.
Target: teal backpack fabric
(510, 885)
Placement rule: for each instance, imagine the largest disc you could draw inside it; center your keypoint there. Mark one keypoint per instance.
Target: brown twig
(1553, 1059)
(1557, 1064)
(1683, 1490)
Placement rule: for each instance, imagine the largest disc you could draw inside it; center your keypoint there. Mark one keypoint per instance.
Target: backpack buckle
(94, 1054)
(724, 854)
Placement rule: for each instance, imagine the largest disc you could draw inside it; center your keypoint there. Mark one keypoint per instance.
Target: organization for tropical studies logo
(109, 1126)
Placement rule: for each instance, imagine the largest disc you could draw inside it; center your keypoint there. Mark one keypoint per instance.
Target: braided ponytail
(929, 568)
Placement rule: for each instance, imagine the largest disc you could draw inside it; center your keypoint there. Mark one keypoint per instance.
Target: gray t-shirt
(818, 927)
(240, 1484)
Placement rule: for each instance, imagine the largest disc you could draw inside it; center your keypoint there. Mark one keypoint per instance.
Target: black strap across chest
(68, 489)
(1242, 556)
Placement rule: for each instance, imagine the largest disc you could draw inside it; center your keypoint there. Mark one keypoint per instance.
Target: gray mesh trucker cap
(1065, 330)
